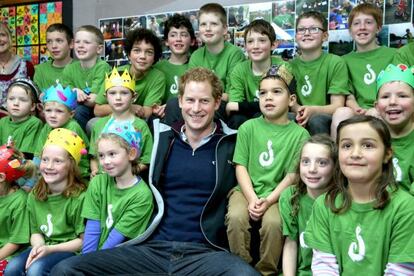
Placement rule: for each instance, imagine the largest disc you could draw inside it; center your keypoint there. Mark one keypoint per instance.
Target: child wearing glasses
(322, 78)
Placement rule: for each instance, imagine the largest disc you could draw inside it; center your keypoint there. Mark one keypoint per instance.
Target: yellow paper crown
(116, 80)
(68, 140)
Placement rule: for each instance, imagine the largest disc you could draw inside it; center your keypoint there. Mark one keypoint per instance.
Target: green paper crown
(401, 72)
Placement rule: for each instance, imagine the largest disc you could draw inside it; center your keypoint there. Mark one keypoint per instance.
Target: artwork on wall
(28, 24)
(397, 30)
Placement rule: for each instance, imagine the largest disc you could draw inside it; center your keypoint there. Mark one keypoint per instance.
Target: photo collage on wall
(28, 24)
(396, 32)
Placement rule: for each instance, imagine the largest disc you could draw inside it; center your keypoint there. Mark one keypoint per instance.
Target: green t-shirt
(14, 219)
(127, 210)
(294, 227)
(46, 74)
(172, 73)
(24, 134)
(268, 151)
(221, 64)
(405, 55)
(244, 85)
(364, 239)
(403, 161)
(58, 218)
(363, 70)
(139, 124)
(73, 125)
(92, 79)
(150, 88)
(319, 78)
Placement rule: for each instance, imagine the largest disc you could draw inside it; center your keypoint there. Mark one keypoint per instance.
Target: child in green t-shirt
(59, 43)
(143, 48)
(365, 63)
(405, 55)
(316, 166)
(118, 205)
(265, 154)
(395, 105)
(14, 230)
(21, 123)
(217, 54)
(260, 40)
(54, 207)
(180, 38)
(120, 94)
(86, 75)
(322, 78)
(59, 105)
(364, 223)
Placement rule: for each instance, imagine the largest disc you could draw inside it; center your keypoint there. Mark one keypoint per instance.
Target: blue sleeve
(91, 236)
(113, 240)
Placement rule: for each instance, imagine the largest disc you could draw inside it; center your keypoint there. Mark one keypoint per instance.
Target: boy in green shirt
(265, 155)
(217, 54)
(260, 40)
(180, 38)
(322, 80)
(87, 74)
(144, 50)
(59, 43)
(395, 105)
(405, 55)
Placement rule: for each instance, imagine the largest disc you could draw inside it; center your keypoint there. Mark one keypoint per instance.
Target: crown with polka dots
(117, 80)
(68, 140)
(126, 131)
(65, 96)
(400, 72)
(10, 165)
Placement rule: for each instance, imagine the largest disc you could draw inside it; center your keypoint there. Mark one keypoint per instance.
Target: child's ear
(99, 49)
(2, 177)
(387, 156)
(133, 154)
(72, 113)
(70, 43)
(33, 108)
(325, 36)
(275, 44)
(292, 100)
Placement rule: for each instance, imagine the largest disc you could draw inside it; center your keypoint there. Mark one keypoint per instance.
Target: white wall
(89, 11)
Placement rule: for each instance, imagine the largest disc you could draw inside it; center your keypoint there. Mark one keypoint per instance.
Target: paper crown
(116, 80)
(281, 71)
(126, 131)
(401, 72)
(29, 84)
(10, 166)
(61, 95)
(68, 140)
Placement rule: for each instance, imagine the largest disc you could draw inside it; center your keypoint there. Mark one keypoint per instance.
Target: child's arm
(287, 181)
(94, 167)
(290, 255)
(353, 104)
(8, 249)
(243, 178)
(101, 110)
(305, 112)
(92, 235)
(114, 238)
(324, 264)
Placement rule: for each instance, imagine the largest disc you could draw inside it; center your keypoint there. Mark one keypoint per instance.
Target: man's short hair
(142, 34)
(200, 74)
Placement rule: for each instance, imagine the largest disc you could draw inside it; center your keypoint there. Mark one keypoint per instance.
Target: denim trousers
(156, 258)
(41, 267)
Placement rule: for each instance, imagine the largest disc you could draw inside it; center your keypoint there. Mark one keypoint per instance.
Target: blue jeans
(83, 114)
(157, 258)
(41, 267)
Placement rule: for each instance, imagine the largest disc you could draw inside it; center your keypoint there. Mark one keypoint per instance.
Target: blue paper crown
(126, 131)
(61, 95)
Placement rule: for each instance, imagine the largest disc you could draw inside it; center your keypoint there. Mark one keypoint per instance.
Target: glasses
(312, 30)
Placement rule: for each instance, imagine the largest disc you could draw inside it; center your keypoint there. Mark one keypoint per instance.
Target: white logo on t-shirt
(266, 158)
(397, 170)
(370, 77)
(109, 219)
(174, 86)
(302, 240)
(47, 229)
(306, 88)
(356, 250)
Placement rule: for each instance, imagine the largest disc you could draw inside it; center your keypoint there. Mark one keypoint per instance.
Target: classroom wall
(89, 11)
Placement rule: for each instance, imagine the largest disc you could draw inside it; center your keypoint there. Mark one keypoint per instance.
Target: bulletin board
(396, 32)
(28, 24)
